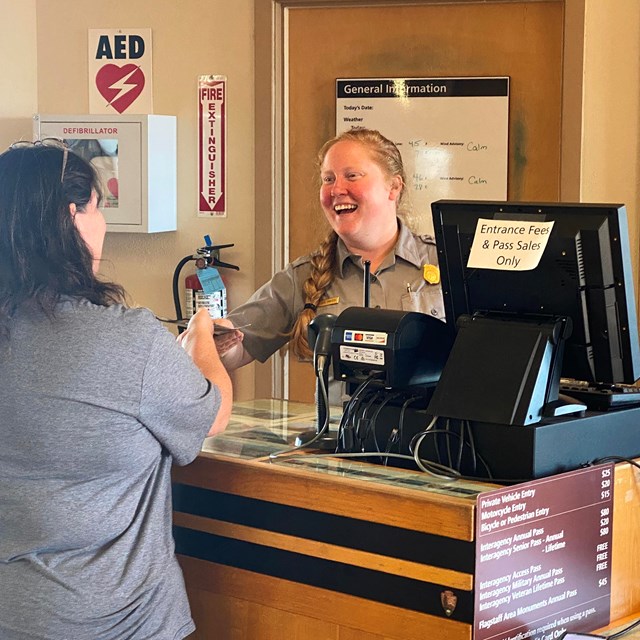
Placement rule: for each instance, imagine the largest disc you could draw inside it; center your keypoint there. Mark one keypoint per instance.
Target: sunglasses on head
(46, 142)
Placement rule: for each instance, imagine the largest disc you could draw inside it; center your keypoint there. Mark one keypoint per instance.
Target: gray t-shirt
(94, 407)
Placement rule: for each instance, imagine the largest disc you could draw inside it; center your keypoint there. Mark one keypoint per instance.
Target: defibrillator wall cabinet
(135, 156)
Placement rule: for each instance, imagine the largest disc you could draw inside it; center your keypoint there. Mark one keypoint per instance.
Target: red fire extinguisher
(195, 298)
(215, 299)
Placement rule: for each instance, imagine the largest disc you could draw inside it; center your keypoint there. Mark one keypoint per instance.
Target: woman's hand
(229, 345)
(227, 340)
(200, 327)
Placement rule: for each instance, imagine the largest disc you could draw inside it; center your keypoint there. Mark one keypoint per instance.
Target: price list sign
(543, 557)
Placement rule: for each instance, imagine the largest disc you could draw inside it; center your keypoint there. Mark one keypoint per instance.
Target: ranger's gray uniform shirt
(397, 284)
(94, 407)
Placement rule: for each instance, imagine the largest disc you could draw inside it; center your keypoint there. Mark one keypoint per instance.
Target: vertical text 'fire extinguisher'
(205, 288)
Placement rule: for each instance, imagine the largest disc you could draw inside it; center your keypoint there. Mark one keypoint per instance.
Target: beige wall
(190, 38)
(601, 90)
(46, 44)
(611, 110)
(18, 79)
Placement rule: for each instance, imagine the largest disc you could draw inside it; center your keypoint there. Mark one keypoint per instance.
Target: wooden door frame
(271, 134)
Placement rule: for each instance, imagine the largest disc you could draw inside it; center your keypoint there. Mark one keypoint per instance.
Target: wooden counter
(316, 547)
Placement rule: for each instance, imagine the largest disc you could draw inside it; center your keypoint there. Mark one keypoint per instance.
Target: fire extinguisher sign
(212, 152)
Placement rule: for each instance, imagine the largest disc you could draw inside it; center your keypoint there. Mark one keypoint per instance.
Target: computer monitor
(584, 273)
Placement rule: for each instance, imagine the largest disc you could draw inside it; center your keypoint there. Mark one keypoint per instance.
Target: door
(522, 40)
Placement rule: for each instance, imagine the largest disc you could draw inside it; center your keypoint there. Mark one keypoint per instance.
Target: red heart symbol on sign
(112, 185)
(120, 86)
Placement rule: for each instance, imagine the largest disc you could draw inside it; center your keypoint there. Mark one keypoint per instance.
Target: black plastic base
(558, 445)
(512, 453)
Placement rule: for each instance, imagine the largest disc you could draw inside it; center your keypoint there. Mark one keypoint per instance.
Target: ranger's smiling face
(356, 195)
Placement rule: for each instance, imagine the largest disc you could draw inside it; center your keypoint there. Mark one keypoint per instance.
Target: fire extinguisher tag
(210, 280)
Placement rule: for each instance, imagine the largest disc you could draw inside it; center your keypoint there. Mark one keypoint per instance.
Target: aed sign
(212, 146)
(120, 71)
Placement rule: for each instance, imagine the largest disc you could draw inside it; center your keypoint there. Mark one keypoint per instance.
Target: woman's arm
(230, 347)
(265, 320)
(198, 342)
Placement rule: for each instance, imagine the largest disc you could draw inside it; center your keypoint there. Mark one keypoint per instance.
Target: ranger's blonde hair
(323, 261)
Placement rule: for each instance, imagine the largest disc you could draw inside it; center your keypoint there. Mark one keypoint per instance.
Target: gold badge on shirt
(431, 273)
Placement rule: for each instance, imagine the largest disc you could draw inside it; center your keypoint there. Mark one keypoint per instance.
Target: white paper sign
(120, 71)
(508, 245)
(452, 133)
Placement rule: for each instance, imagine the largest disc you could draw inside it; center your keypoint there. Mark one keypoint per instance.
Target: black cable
(445, 431)
(295, 453)
(363, 424)
(325, 398)
(347, 423)
(435, 432)
(387, 398)
(472, 446)
(437, 450)
(489, 475)
(346, 415)
(430, 467)
(614, 459)
(461, 445)
(439, 464)
(409, 401)
(321, 431)
(475, 456)
(351, 408)
(447, 441)
(174, 287)
(429, 427)
(396, 434)
(394, 438)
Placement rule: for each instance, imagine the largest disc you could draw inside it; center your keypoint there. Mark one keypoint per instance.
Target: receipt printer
(400, 348)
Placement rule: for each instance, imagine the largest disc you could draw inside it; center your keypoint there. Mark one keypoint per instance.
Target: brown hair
(323, 260)
(43, 256)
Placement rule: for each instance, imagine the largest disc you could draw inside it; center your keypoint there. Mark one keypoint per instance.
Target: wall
(190, 38)
(611, 110)
(46, 44)
(601, 93)
(18, 80)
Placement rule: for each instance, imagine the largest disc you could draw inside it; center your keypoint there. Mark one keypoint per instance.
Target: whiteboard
(452, 132)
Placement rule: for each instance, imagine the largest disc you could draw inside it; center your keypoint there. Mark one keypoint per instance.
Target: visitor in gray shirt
(96, 402)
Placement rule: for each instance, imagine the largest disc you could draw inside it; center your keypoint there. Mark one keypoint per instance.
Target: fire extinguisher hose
(176, 279)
